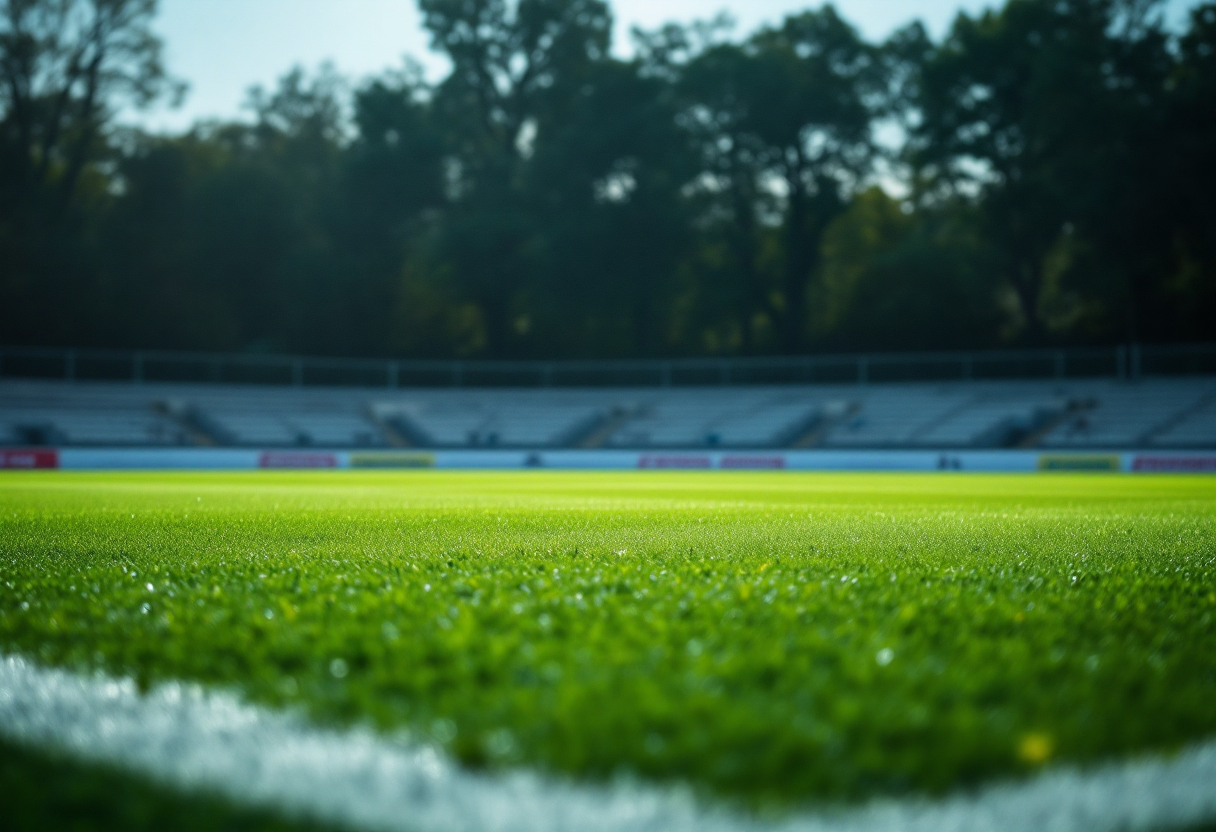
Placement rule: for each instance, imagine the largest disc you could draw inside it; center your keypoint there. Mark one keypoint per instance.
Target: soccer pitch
(774, 641)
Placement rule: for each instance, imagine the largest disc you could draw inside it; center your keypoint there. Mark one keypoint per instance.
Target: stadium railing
(1127, 362)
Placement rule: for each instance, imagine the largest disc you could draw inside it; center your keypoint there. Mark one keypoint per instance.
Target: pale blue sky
(221, 47)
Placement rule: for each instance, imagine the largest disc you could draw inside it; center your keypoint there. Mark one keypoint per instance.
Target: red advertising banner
(28, 459)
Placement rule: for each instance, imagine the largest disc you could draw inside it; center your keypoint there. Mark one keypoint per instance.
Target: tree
(66, 66)
(736, 291)
(226, 237)
(392, 181)
(1190, 184)
(711, 194)
(785, 124)
(1049, 113)
(612, 226)
(893, 279)
(514, 74)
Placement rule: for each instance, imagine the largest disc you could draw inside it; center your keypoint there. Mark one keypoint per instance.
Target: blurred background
(558, 179)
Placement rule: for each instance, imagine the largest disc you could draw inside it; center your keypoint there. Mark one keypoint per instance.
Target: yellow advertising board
(1080, 462)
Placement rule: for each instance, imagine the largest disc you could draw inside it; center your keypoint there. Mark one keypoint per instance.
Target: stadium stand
(502, 418)
(708, 418)
(1177, 412)
(1128, 416)
(276, 418)
(102, 415)
(1194, 427)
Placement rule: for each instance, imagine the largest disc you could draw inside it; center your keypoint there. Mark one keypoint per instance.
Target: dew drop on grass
(338, 669)
(500, 743)
(885, 656)
(443, 730)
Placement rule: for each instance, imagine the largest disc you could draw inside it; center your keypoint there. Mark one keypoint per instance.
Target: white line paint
(195, 740)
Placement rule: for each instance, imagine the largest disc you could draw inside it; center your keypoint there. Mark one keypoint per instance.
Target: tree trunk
(798, 258)
(1028, 286)
(744, 252)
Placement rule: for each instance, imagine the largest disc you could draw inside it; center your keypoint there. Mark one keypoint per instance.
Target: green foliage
(778, 637)
(548, 199)
(790, 106)
(1065, 118)
(65, 66)
(888, 274)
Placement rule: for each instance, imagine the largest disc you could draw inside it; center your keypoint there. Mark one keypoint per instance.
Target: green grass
(41, 792)
(773, 637)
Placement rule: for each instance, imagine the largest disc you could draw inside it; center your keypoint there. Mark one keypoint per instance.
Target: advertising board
(28, 458)
(1010, 461)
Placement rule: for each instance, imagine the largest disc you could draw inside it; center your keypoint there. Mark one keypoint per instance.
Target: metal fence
(1127, 362)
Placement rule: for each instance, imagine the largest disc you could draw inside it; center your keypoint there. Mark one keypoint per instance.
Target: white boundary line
(188, 738)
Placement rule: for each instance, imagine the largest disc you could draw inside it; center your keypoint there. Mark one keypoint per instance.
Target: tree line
(1045, 173)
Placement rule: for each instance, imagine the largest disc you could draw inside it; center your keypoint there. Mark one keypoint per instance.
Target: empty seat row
(1082, 414)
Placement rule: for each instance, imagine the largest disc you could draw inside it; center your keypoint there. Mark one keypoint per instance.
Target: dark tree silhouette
(1043, 175)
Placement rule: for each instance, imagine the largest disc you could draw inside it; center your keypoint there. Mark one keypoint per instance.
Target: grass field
(778, 638)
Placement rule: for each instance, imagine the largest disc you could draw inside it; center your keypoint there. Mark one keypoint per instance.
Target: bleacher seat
(1127, 415)
(742, 418)
(1194, 428)
(502, 418)
(81, 415)
(891, 416)
(1156, 412)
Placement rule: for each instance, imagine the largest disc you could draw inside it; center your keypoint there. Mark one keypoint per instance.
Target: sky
(222, 47)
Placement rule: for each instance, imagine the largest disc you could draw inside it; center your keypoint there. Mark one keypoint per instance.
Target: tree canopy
(1042, 175)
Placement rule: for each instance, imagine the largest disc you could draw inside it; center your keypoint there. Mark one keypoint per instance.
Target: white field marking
(191, 739)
